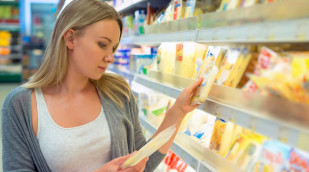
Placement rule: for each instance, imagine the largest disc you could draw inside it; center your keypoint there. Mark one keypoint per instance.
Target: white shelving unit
(194, 154)
(268, 115)
(266, 32)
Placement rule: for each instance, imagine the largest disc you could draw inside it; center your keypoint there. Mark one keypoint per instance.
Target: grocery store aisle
(4, 90)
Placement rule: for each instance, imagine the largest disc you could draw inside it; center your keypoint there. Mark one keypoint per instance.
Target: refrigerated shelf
(193, 153)
(268, 115)
(263, 23)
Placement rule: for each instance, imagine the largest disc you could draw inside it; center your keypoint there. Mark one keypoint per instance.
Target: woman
(71, 115)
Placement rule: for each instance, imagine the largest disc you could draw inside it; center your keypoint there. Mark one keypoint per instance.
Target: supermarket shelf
(193, 153)
(9, 27)
(266, 32)
(275, 11)
(151, 39)
(270, 116)
(11, 56)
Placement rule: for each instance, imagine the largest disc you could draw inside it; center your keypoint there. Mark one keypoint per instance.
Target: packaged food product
(177, 9)
(190, 6)
(224, 4)
(299, 161)
(245, 149)
(179, 58)
(273, 157)
(209, 75)
(208, 71)
(222, 136)
(173, 162)
(199, 55)
(227, 65)
(168, 55)
(233, 4)
(239, 69)
(148, 149)
(188, 61)
(248, 3)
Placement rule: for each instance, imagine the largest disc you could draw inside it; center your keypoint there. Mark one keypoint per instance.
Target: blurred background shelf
(193, 153)
(275, 11)
(9, 27)
(268, 115)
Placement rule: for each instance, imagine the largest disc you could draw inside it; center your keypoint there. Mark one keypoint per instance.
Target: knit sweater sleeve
(15, 153)
(156, 158)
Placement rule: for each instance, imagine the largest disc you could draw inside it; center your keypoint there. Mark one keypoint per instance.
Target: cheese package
(199, 55)
(227, 65)
(188, 64)
(273, 157)
(168, 56)
(208, 71)
(179, 58)
(245, 150)
(223, 135)
(224, 4)
(299, 161)
(153, 145)
(239, 68)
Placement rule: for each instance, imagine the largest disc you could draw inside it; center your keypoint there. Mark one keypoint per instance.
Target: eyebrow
(106, 38)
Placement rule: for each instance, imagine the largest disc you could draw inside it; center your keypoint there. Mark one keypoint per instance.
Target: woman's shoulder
(18, 94)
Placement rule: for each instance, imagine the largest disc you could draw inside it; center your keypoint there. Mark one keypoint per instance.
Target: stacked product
(283, 73)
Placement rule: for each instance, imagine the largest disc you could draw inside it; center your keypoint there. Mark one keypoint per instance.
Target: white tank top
(78, 149)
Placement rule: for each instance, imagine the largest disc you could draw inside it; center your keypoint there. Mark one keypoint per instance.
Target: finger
(195, 84)
(141, 164)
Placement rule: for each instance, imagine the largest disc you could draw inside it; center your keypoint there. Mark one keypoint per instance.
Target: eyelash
(101, 45)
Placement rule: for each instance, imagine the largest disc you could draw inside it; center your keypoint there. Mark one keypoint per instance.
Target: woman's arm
(177, 112)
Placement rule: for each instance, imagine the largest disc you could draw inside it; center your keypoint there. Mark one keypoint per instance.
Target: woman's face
(94, 48)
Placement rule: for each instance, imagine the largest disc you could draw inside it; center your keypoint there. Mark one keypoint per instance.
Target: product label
(179, 52)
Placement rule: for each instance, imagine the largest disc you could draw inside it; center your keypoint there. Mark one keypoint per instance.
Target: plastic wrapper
(153, 145)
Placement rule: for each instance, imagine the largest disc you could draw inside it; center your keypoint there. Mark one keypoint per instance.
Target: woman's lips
(102, 69)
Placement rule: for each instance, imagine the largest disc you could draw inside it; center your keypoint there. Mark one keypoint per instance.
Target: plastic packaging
(153, 145)
(209, 75)
(190, 6)
(177, 9)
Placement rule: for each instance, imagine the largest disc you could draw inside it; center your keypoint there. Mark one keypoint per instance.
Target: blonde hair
(78, 15)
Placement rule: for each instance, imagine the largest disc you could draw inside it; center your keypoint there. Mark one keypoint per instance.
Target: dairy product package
(209, 76)
(153, 145)
(208, 71)
(189, 10)
(274, 156)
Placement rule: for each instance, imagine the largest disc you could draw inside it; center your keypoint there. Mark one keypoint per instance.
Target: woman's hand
(184, 100)
(115, 165)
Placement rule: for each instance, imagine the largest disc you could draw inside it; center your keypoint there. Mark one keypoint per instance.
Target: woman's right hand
(115, 165)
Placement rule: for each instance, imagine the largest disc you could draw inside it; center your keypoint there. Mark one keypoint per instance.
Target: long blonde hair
(78, 15)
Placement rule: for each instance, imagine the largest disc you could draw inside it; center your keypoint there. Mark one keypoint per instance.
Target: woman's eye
(101, 45)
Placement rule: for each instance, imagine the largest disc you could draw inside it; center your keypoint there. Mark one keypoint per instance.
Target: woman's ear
(69, 38)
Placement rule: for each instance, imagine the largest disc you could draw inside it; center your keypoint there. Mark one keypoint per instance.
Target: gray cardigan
(21, 151)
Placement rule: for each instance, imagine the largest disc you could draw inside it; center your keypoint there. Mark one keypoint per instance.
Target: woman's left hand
(184, 100)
